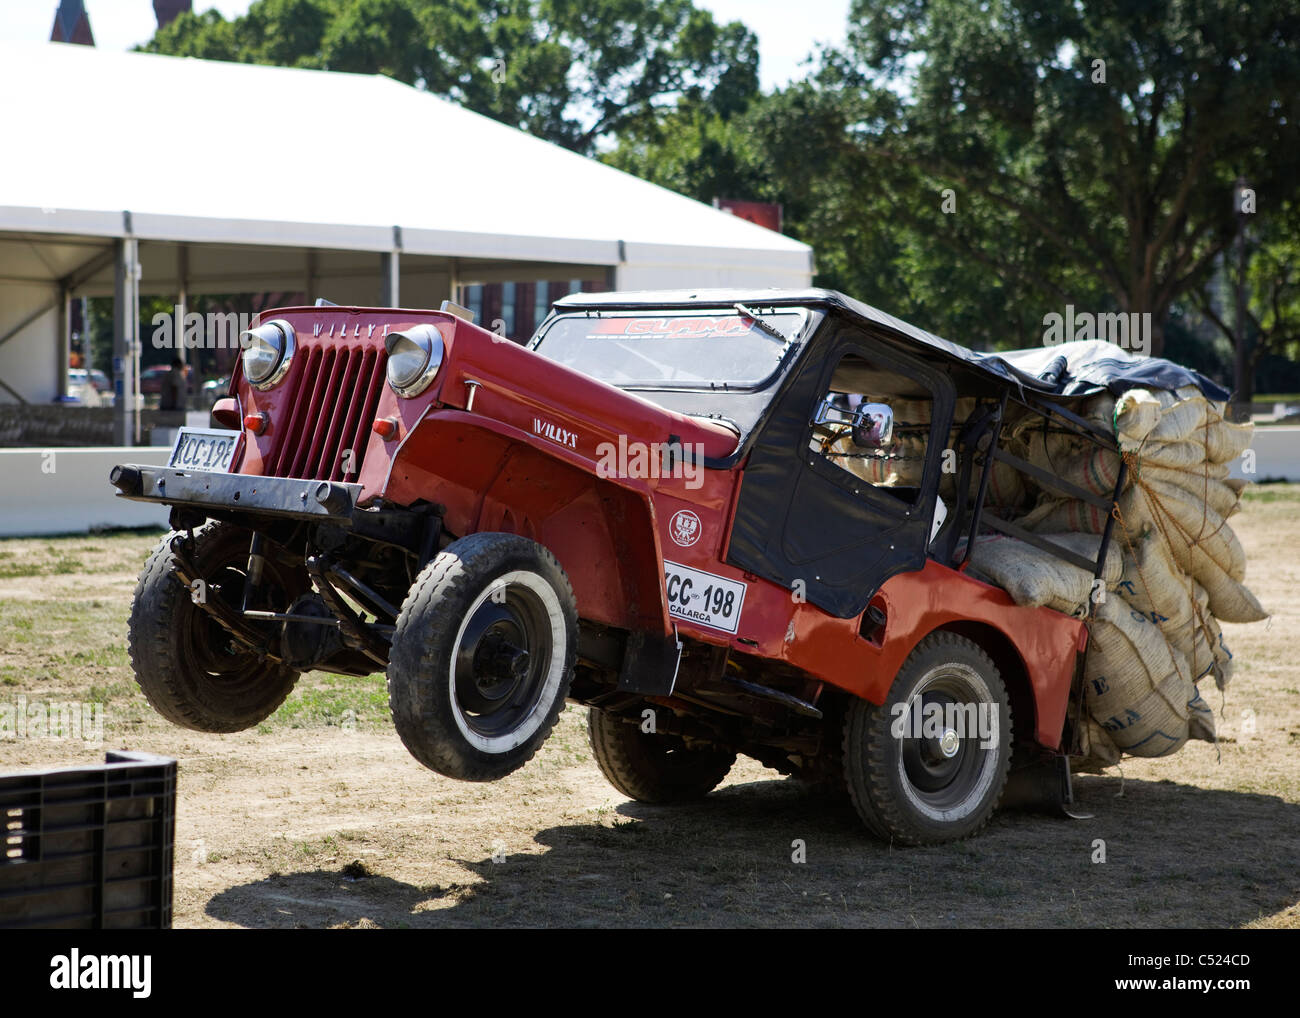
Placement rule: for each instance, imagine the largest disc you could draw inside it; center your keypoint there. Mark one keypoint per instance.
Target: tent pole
(390, 279)
(63, 349)
(126, 383)
(182, 303)
(310, 282)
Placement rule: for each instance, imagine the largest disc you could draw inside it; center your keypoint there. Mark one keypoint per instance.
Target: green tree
(971, 167)
(1272, 310)
(1101, 140)
(571, 71)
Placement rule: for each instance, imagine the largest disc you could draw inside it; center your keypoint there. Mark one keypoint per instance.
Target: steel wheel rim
(941, 782)
(501, 660)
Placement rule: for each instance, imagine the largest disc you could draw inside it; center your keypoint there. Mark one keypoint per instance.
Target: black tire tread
(867, 724)
(415, 665)
(621, 753)
(151, 645)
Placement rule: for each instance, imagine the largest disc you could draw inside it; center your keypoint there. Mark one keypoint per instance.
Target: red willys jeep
(685, 510)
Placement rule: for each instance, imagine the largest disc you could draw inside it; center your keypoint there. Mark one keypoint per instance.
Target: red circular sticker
(684, 528)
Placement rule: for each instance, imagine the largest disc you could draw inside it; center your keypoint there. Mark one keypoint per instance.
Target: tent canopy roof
(200, 150)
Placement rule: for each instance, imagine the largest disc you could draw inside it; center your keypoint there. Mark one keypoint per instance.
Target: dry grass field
(319, 818)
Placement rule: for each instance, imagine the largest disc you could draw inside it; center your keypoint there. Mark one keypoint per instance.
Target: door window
(872, 424)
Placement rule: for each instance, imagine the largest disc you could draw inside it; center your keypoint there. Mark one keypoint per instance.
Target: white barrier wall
(29, 360)
(1277, 455)
(66, 490)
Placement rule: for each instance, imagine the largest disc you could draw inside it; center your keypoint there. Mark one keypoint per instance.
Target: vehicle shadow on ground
(1160, 855)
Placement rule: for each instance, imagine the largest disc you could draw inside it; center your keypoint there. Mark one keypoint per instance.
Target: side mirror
(872, 423)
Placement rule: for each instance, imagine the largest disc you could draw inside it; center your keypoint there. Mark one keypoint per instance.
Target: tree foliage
(570, 71)
(973, 166)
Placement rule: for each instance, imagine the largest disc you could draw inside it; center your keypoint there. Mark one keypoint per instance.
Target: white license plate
(204, 449)
(702, 598)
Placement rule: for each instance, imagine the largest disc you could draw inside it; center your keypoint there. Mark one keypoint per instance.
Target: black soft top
(1079, 368)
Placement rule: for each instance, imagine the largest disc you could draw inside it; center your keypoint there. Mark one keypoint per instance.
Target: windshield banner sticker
(671, 328)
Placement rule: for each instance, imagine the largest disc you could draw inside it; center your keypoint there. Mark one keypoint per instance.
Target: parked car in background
(90, 388)
(216, 387)
(153, 379)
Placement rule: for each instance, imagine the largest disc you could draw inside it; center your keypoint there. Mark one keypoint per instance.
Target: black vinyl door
(829, 521)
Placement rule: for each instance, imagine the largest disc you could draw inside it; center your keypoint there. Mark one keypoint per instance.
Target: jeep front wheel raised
(193, 672)
(654, 768)
(482, 656)
(929, 765)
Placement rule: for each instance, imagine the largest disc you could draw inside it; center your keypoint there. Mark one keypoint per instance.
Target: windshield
(673, 349)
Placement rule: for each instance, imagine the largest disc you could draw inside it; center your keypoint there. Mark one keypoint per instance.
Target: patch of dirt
(320, 818)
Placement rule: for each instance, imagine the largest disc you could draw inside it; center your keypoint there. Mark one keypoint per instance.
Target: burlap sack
(1197, 534)
(1181, 414)
(1047, 450)
(1007, 491)
(1094, 469)
(1095, 750)
(1134, 416)
(1228, 440)
(901, 465)
(1153, 585)
(1200, 482)
(1185, 455)
(1206, 649)
(1057, 515)
(1035, 578)
(1191, 638)
(1135, 685)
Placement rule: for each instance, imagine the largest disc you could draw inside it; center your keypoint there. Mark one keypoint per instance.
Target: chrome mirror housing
(872, 423)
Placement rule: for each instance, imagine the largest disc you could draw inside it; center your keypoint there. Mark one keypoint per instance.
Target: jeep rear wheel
(482, 656)
(651, 767)
(929, 765)
(192, 671)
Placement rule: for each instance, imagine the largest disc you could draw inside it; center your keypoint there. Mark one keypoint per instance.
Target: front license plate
(702, 598)
(204, 449)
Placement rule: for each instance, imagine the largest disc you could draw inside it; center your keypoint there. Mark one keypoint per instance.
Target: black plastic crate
(89, 847)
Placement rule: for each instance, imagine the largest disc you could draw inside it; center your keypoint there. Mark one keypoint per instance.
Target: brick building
(72, 24)
(516, 309)
(168, 11)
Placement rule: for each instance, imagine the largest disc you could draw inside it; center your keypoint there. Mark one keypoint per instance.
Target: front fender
(489, 475)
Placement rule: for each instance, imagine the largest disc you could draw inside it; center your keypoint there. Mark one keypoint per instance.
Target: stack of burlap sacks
(1175, 569)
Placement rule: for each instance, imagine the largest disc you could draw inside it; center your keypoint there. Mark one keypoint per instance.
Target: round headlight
(414, 357)
(268, 349)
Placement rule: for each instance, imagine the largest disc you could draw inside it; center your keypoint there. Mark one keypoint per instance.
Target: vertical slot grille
(333, 407)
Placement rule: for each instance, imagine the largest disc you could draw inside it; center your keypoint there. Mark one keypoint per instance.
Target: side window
(873, 423)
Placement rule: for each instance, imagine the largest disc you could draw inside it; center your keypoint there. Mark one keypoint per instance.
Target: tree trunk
(1243, 362)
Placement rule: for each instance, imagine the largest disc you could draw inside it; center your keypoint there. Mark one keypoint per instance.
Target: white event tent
(129, 173)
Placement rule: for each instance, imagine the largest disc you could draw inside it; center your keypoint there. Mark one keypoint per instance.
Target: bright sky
(784, 40)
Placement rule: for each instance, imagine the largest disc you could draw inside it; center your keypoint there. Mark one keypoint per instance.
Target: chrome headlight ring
(277, 335)
(414, 357)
